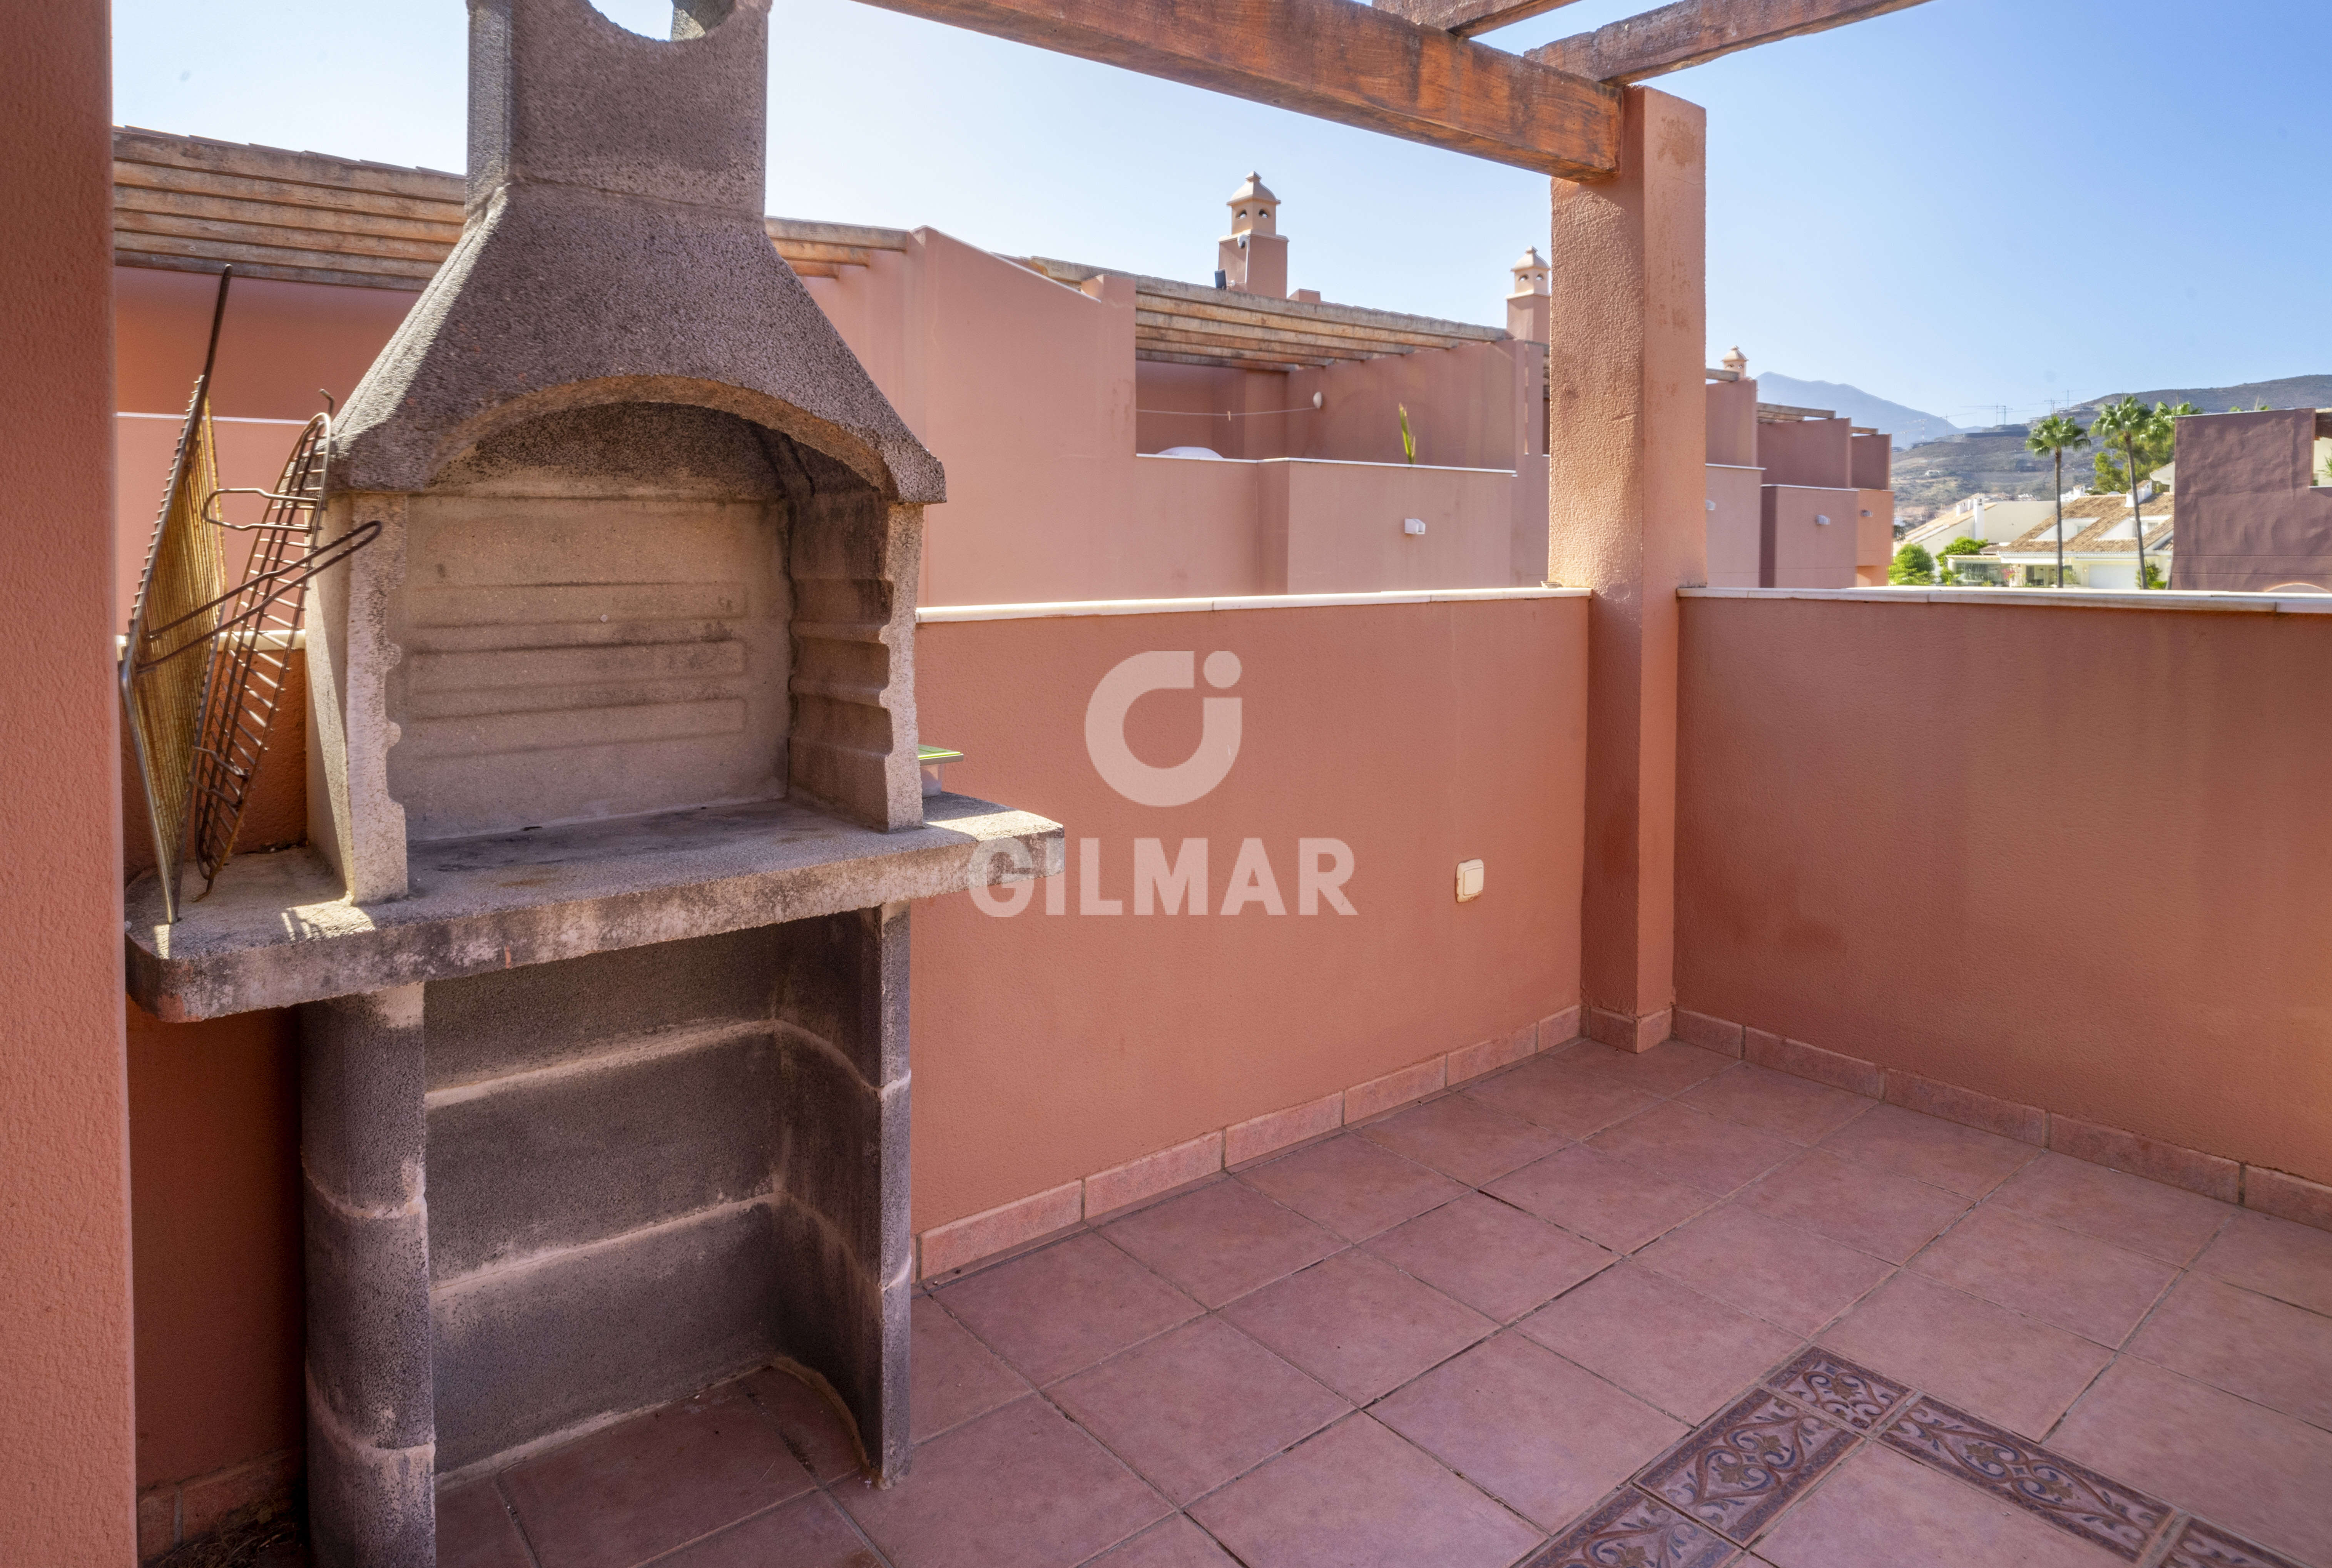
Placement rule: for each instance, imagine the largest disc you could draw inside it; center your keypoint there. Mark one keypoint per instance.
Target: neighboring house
(1048, 390)
(1986, 518)
(1797, 497)
(2100, 544)
(2257, 516)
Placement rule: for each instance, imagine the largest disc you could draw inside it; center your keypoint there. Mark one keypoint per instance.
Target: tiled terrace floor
(1667, 1311)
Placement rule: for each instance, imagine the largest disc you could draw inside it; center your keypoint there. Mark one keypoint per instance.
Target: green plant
(1408, 441)
(2053, 437)
(1912, 564)
(2152, 442)
(2135, 427)
(2156, 577)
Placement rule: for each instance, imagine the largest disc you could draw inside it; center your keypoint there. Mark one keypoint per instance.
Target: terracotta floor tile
(954, 1377)
(2275, 1257)
(2165, 1222)
(1490, 1256)
(1798, 1109)
(1529, 1428)
(1194, 1407)
(657, 1481)
(1881, 1510)
(1358, 1497)
(2255, 1472)
(2099, 1291)
(2262, 1349)
(1358, 1325)
(1563, 1099)
(1351, 1186)
(475, 1530)
(1222, 1240)
(1051, 1311)
(1988, 1361)
(1175, 1543)
(1941, 1153)
(1463, 1138)
(806, 1532)
(1659, 1339)
(1791, 1278)
(1889, 1217)
(1693, 1147)
(1019, 1487)
(1607, 1201)
(1668, 1069)
(813, 1428)
(1668, 1345)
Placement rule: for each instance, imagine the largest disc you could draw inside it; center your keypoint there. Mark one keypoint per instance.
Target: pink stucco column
(67, 1475)
(1626, 499)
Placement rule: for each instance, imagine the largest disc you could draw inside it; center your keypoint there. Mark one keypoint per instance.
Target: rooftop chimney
(1530, 301)
(1736, 361)
(1253, 257)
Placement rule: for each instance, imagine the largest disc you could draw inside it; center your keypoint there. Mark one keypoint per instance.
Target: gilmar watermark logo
(1322, 866)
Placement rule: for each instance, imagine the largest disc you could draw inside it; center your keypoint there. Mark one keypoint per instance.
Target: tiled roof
(2099, 515)
(191, 204)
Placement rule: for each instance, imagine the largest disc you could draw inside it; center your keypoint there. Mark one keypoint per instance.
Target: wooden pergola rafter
(1409, 68)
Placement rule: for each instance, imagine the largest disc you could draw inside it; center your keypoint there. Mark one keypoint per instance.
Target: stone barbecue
(600, 938)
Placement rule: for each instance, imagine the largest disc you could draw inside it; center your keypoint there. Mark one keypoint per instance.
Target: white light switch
(1469, 880)
(1412, 525)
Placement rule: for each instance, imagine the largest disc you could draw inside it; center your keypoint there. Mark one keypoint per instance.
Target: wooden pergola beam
(1467, 18)
(1695, 32)
(1331, 59)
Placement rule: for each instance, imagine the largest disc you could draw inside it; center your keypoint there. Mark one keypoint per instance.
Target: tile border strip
(2259, 1187)
(978, 1238)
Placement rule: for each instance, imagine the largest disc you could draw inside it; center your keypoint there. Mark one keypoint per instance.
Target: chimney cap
(1254, 190)
(1531, 275)
(1736, 361)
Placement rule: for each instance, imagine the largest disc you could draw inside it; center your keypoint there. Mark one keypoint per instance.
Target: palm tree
(2053, 437)
(2132, 425)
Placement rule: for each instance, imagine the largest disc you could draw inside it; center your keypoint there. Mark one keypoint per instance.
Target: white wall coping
(1315, 462)
(942, 614)
(2052, 599)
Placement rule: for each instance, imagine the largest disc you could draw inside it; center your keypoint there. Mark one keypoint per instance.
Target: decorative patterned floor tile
(1633, 1531)
(2070, 1497)
(1738, 1472)
(2201, 1547)
(1835, 1387)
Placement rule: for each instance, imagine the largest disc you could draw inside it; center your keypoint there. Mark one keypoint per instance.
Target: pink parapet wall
(66, 1431)
(2020, 848)
(1051, 1047)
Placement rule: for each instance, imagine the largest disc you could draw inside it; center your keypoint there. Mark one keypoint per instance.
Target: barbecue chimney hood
(600, 942)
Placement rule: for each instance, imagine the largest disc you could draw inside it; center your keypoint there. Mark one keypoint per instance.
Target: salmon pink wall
(279, 344)
(2073, 857)
(1051, 1046)
(214, 1162)
(67, 1477)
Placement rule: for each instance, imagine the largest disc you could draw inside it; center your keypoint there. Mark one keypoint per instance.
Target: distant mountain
(1908, 426)
(2291, 392)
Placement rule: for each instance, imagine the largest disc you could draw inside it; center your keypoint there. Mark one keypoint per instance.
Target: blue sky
(1969, 205)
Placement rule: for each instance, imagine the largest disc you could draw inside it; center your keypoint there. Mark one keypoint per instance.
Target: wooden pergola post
(1627, 495)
